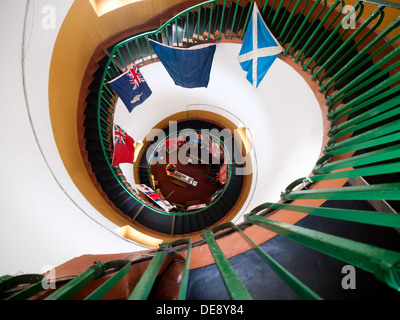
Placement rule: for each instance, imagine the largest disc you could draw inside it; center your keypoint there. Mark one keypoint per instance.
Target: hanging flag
(123, 147)
(196, 206)
(215, 149)
(216, 194)
(131, 87)
(188, 67)
(223, 174)
(163, 203)
(259, 49)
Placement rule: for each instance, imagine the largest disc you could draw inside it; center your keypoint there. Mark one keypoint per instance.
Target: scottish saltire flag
(188, 67)
(163, 203)
(259, 49)
(123, 147)
(131, 87)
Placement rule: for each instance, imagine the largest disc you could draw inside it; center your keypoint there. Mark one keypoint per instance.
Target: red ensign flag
(123, 147)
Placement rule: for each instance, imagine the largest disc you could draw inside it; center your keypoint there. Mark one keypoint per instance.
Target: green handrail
(339, 130)
(384, 191)
(369, 217)
(118, 269)
(387, 153)
(358, 61)
(234, 285)
(341, 53)
(145, 283)
(331, 152)
(105, 287)
(384, 264)
(300, 288)
(329, 45)
(384, 3)
(32, 281)
(185, 277)
(67, 291)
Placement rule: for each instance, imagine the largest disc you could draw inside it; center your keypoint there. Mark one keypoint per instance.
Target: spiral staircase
(358, 71)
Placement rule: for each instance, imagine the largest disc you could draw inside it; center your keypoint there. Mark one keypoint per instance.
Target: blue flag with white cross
(259, 49)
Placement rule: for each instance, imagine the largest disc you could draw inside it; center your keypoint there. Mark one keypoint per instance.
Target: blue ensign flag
(131, 87)
(188, 67)
(259, 49)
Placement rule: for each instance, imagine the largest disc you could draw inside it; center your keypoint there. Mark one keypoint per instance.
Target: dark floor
(201, 173)
(320, 272)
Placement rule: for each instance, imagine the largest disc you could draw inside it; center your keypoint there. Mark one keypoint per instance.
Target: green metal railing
(231, 280)
(34, 284)
(30, 283)
(384, 264)
(357, 69)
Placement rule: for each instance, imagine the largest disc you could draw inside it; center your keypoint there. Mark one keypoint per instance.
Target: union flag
(136, 78)
(131, 87)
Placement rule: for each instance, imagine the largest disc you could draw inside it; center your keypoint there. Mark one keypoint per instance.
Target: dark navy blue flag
(131, 87)
(188, 67)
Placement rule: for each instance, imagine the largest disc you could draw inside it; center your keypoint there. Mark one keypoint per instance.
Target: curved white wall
(44, 218)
